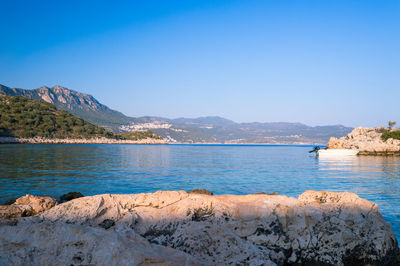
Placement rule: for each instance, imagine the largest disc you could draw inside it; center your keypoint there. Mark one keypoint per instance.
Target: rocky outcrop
(368, 141)
(178, 228)
(25, 206)
(40, 140)
(70, 196)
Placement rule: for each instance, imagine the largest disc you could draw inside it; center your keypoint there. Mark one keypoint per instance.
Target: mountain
(211, 129)
(203, 121)
(76, 103)
(27, 118)
(215, 129)
(266, 133)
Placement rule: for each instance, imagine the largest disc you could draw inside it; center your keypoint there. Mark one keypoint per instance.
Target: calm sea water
(289, 170)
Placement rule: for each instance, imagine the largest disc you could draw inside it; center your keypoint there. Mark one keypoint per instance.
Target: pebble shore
(39, 140)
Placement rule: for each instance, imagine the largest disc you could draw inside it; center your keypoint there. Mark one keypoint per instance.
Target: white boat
(336, 152)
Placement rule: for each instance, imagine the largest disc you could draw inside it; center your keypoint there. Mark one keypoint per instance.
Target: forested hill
(23, 117)
(77, 103)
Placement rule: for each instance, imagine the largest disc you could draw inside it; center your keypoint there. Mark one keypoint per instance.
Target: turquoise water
(289, 170)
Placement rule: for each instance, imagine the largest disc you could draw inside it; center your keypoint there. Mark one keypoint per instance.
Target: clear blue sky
(316, 62)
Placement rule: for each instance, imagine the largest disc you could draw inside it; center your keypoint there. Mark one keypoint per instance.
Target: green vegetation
(137, 135)
(391, 134)
(391, 124)
(26, 118)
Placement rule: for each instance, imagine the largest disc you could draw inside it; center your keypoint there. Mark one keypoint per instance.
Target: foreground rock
(69, 244)
(368, 141)
(25, 206)
(178, 228)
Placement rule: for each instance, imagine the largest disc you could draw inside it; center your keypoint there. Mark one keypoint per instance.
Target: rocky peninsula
(180, 228)
(24, 120)
(368, 141)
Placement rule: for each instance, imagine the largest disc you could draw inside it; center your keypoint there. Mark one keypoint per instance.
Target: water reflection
(335, 164)
(387, 167)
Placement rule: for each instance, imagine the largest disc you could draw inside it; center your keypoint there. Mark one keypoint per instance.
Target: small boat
(336, 152)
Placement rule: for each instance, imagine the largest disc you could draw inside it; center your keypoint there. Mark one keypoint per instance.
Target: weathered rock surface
(25, 206)
(179, 228)
(69, 244)
(368, 141)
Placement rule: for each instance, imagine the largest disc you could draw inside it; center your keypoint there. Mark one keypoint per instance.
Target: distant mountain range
(212, 129)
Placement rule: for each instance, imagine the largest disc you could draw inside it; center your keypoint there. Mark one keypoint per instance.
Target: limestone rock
(107, 224)
(68, 244)
(368, 141)
(38, 203)
(334, 143)
(25, 206)
(325, 228)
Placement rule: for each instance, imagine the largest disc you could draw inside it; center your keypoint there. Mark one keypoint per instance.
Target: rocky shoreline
(180, 228)
(39, 140)
(368, 141)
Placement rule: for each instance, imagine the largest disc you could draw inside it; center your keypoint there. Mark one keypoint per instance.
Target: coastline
(244, 144)
(379, 153)
(39, 140)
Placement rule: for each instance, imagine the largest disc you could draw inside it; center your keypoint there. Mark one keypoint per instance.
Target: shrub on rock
(70, 196)
(201, 191)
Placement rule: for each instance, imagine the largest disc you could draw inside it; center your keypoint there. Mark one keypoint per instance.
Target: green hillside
(79, 104)
(23, 117)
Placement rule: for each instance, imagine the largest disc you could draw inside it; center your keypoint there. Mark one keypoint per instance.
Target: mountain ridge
(77, 103)
(207, 129)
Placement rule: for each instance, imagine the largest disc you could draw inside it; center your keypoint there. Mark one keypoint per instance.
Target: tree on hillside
(391, 124)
